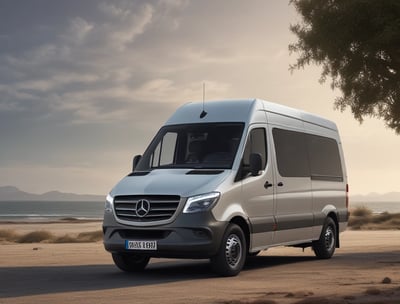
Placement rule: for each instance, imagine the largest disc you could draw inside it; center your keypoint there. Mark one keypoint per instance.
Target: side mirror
(255, 164)
(135, 161)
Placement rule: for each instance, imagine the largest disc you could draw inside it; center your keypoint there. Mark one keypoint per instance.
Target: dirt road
(84, 273)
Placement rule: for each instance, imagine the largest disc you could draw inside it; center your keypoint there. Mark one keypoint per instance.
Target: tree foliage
(357, 43)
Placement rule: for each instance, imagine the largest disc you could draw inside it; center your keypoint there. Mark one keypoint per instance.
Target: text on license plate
(141, 245)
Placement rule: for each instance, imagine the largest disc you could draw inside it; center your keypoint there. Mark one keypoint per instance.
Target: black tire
(231, 256)
(130, 262)
(325, 247)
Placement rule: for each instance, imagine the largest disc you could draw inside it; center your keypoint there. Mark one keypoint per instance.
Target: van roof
(241, 110)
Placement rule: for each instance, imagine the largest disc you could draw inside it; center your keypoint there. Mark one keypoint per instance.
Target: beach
(366, 269)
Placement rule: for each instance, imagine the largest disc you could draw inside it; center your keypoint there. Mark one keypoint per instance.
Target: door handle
(280, 184)
(267, 185)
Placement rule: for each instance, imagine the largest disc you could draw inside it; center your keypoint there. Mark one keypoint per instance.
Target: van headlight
(201, 202)
(108, 207)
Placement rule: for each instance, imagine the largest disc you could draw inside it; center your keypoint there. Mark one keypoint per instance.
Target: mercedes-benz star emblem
(142, 208)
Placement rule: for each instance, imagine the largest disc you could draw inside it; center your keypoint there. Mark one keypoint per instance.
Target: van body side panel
(325, 194)
(343, 211)
(293, 199)
(258, 200)
(230, 203)
(294, 218)
(328, 191)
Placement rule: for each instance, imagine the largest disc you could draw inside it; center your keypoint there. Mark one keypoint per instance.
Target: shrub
(35, 237)
(64, 239)
(8, 235)
(361, 211)
(92, 236)
(362, 218)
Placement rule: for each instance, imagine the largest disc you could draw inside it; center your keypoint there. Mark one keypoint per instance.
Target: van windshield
(197, 146)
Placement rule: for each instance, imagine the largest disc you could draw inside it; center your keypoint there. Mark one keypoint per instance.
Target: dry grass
(362, 218)
(92, 236)
(7, 234)
(35, 237)
(361, 211)
(84, 237)
(43, 236)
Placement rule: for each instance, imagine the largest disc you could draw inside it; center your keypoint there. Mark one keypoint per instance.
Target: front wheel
(130, 262)
(325, 246)
(231, 256)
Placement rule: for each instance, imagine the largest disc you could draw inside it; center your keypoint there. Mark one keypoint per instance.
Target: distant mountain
(376, 197)
(11, 193)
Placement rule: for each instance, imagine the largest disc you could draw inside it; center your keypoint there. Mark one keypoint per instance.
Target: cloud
(94, 69)
(92, 74)
(108, 61)
(80, 65)
(165, 90)
(125, 25)
(86, 84)
(78, 30)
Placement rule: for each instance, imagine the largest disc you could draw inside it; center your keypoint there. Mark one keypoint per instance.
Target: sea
(20, 211)
(32, 211)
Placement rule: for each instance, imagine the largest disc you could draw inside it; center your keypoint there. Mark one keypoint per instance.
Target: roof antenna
(203, 113)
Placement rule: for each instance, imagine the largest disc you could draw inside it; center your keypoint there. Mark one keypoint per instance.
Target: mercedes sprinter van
(227, 179)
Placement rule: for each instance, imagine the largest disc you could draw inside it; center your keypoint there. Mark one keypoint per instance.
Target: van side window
(164, 152)
(291, 153)
(305, 155)
(325, 161)
(256, 143)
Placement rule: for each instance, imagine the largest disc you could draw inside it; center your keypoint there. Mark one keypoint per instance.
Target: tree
(357, 43)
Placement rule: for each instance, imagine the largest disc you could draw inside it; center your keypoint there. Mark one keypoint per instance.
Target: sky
(85, 85)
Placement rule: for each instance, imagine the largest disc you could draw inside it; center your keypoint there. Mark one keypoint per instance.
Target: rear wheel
(130, 262)
(325, 246)
(231, 256)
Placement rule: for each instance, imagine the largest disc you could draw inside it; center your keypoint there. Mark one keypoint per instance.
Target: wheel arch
(243, 224)
(334, 216)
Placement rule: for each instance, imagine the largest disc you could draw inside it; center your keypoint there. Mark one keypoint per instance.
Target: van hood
(182, 182)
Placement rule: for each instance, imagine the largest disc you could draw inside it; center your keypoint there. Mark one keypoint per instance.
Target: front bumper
(195, 235)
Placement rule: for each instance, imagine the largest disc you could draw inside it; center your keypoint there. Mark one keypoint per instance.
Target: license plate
(141, 245)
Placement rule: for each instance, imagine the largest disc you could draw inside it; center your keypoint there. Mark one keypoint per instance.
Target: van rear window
(300, 154)
(324, 158)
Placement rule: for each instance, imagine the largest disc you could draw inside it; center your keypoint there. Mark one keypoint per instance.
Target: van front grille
(150, 208)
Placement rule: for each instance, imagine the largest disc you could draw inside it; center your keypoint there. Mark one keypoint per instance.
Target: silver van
(226, 179)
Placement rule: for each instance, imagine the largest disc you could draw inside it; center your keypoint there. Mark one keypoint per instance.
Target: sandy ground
(84, 273)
